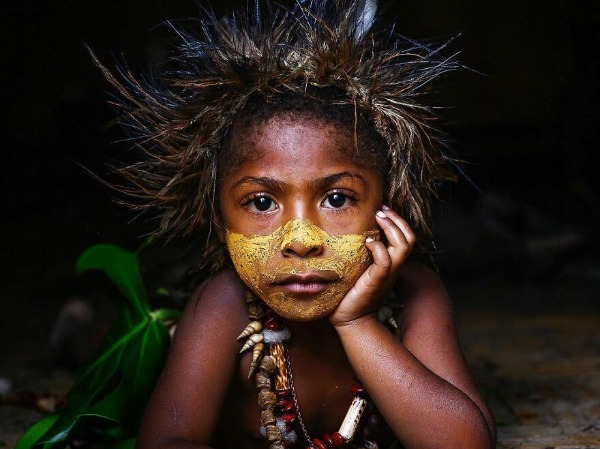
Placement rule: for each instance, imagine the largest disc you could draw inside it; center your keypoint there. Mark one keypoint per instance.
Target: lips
(305, 283)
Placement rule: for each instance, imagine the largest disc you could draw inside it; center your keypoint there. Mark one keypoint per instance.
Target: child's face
(296, 212)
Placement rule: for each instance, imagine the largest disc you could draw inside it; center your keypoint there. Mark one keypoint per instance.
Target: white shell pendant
(252, 340)
(252, 328)
(257, 351)
(350, 423)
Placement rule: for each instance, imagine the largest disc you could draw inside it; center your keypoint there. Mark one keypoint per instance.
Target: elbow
(468, 430)
(477, 433)
(470, 435)
(478, 428)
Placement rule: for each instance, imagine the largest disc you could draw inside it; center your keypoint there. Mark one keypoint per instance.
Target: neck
(315, 337)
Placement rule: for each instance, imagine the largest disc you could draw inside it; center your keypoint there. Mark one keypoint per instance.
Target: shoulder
(202, 359)
(428, 330)
(418, 286)
(225, 288)
(427, 311)
(427, 326)
(217, 306)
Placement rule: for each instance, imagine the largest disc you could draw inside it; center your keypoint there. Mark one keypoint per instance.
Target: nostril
(288, 251)
(314, 251)
(301, 238)
(301, 249)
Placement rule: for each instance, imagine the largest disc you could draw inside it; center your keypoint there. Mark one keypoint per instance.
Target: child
(296, 139)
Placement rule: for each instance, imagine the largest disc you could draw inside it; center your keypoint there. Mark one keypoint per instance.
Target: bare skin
(417, 377)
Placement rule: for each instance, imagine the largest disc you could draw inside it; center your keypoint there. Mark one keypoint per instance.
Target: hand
(363, 298)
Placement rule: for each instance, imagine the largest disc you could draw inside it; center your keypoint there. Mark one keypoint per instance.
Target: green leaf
(100, 370)
(121, 266)
(166, 314)
(136, 359)
(35, 432)
(110, 393)
(140, 367)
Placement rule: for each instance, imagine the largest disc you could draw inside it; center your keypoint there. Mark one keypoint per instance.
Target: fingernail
(384, 207)
(369, 239)
(380, 214)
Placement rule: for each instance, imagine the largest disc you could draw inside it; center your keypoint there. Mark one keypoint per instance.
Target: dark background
(525, 117)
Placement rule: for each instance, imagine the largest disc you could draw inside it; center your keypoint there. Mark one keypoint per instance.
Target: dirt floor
(541, 376)
(534, 348)
(539, 369)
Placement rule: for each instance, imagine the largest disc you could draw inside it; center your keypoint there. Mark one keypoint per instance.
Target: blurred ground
(539, 370)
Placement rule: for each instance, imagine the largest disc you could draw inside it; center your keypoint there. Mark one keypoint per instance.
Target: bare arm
(185, 406)
(419, 379)
(421, 384)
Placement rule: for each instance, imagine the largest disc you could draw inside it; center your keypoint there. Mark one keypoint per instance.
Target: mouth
(308, 283)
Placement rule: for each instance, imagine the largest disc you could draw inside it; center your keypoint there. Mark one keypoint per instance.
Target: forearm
(423, 410)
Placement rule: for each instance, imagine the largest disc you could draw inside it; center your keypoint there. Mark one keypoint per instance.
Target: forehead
(296, 137)
(292, 139)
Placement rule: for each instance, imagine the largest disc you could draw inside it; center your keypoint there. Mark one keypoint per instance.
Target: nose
(301, 249)
(301, 238)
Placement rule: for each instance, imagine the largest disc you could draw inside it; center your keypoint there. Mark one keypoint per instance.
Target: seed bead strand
(276, 335)
(277, 397)
(266, 364)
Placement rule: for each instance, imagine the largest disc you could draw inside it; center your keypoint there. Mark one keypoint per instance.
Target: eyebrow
(321, 183)
(332, 179)
(268, 183)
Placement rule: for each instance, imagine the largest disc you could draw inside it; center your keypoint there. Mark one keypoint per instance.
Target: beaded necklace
(280, 413)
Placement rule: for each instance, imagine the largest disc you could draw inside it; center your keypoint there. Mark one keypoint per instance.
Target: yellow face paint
(268, 264)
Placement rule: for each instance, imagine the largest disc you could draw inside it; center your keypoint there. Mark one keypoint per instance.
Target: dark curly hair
(323, 58)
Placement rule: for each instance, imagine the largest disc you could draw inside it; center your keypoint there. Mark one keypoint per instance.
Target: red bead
(288, 417)
(329, 441)
(338, 440)
(283, 394)
(272, 323)
(357, 389)
(319, 444)
(285, 405)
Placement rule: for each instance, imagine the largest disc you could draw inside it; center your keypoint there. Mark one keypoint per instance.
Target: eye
(262, 203)
(259, 203)
(338, 200)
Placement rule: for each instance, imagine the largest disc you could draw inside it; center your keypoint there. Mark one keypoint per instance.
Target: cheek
(250, 257)
(349, 256)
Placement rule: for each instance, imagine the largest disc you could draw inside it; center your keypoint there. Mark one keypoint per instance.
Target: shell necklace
(277, 398)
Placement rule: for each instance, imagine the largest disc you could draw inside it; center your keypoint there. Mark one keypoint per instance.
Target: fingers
(381, 275)
(388, 259)
(376, 277)
(382, 259)
(401, 223)
(400, 236)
